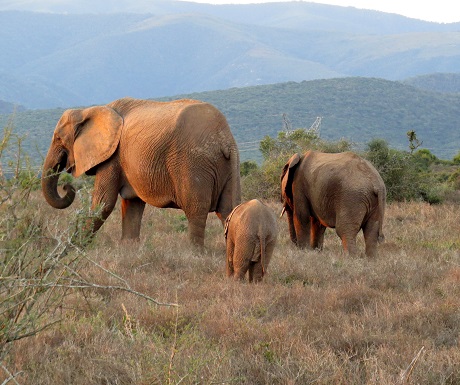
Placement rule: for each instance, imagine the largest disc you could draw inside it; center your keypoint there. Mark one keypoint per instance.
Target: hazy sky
(443, 11)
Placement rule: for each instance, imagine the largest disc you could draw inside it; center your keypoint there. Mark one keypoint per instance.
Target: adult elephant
(178, 154)
(341, 191)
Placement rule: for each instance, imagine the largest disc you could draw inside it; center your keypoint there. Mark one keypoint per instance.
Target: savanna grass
(318, 317)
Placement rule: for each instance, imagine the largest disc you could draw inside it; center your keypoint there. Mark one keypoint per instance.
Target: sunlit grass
(319, 317)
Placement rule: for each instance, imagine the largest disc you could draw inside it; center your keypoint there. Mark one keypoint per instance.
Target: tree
(401, 172)
(456, 159)
(247, 167)
(264, 182)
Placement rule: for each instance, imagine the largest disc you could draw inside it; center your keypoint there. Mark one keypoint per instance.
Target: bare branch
(89, 285)
(32, 333)
(11, 376)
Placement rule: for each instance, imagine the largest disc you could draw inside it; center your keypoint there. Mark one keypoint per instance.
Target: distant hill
(9, 108)
(75, 52)
(357, 109)
(446, 82)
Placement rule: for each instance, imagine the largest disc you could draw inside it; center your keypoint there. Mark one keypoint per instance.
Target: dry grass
(318, 318)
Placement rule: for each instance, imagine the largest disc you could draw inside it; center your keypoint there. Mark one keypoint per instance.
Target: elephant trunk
(50, 177)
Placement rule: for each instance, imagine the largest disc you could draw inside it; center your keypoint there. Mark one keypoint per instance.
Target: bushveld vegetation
(80, 311)
(415, 174)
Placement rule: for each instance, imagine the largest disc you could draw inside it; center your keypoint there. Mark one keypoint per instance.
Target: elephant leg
(317, 231)
(269, 248)
(292, 233)
(104, 209)
(349, 245)
(258, 269)
(348, 224)
(302, 223)
(242, 256)
(240, 270)
(196, 228)
(371, 237)
(251, 271)
(131, 217)
(302, 233)
(230, 252)
(105, 194)
(348, 237)
(256, 272)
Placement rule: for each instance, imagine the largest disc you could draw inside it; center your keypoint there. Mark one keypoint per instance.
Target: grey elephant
(341, 191)
(178, 154)
(251, 232)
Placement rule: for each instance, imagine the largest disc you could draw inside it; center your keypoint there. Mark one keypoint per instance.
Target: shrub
(454, 179)
(424, 159)
(406, 175)
(42, 263)
(456, 158)
(247, 167)
(264, 181)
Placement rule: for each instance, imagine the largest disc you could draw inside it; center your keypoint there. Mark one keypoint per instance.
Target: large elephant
(341, 191)
(251, 232)
(178, 154)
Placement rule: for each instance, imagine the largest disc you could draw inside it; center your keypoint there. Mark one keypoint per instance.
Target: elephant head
(287, 199)
(287, 177)
(82, 139)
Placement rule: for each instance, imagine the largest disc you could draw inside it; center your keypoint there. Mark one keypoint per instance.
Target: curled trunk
(50, 178)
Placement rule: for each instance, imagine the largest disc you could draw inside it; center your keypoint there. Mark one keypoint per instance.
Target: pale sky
(442, 11)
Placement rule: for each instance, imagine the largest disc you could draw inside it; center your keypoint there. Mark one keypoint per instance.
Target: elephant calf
(251, 231)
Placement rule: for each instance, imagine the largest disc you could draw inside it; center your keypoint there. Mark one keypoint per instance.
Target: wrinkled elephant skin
(341, 191)
(251, 232)
(178, 154)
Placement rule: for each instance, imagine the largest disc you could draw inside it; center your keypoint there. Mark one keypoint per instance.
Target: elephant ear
(287, 176)
(97, 135)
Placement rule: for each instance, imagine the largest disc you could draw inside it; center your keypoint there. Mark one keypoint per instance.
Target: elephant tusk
(282, 211)
(70, 168)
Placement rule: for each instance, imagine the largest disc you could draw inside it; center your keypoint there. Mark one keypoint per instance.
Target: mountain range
(77, 52)
(357, 109)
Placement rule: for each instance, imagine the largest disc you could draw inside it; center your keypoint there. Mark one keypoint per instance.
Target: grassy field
(318, 317)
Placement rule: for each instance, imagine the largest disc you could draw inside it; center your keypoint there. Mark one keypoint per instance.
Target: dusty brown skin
(251, 232)
(178, 154)
(341, 191)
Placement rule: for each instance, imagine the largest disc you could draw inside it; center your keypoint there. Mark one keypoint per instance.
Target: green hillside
(9, 108)
(439, 82)
(358, 109)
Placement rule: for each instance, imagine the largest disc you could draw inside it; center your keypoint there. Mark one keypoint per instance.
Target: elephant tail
(381, 195)
(262, 254)
(235, 168)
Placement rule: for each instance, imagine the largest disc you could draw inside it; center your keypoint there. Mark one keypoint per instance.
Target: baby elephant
(251, 231)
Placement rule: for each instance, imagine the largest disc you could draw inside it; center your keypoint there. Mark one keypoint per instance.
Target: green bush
(456, 158)
(408, 175)
(454, 179)
(264, 182)
(247, 167)
(424, 159)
